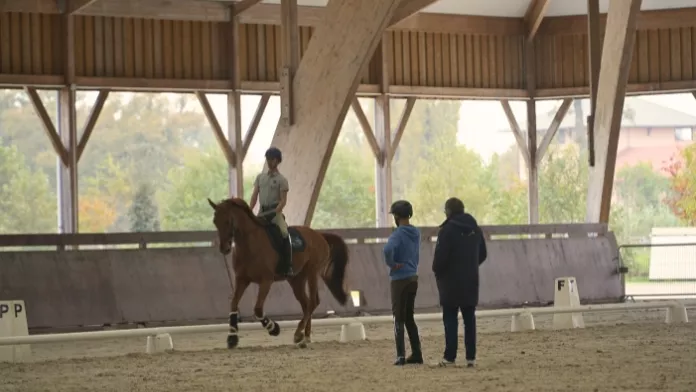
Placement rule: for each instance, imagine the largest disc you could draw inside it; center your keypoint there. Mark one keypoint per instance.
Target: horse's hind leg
(298, 288)
(312, 305)
(271, 326)
(240, 285)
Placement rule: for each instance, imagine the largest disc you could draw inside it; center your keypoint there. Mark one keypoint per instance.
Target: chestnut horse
(254, 260)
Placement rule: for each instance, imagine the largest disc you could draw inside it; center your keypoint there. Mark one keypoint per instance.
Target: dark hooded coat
(460, 249)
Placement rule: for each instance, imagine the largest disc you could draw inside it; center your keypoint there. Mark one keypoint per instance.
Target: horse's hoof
(301, 344)
(298, 338)
(275, 331)
(232, 341)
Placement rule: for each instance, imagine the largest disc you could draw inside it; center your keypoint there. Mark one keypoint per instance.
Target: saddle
(297, 242)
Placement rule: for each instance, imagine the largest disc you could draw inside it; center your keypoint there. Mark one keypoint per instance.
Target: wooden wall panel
(30, 44)
(659, 56)
(457, 60)
(135, 49)
(261, 53)
(149, 48)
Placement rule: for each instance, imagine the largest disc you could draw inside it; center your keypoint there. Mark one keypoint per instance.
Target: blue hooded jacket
(403, 247)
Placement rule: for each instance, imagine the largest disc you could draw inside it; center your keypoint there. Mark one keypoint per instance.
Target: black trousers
(403, 296)
(451, 321)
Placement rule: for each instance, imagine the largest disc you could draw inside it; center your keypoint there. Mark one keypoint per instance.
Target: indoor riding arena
(148, 311)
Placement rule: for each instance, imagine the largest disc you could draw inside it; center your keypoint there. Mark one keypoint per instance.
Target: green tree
(143, 214)
(563, 177)
(27, 204)
(639, 202)
(638, 206)
(430, 121)
(203, 175)
(431, 167)
(347, 197)
(682, 174)
(111, 182)
(510, 205)
(21, 127)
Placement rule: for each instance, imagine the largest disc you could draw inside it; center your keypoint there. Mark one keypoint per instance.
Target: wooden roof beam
(534, 15)
(242, 6)
(408, 8)
(74, 6)
(330, 60)
(617, 51)
(195, 10)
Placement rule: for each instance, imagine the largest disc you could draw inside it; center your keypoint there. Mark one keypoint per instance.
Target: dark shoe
(400, 361)
(414, 340)
(399, 339)
(444, 363)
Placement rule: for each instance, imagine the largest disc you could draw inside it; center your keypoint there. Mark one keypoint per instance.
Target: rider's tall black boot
(287, 258)
(400, 343)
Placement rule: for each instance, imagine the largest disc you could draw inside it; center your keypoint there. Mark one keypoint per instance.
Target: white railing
(671, 306)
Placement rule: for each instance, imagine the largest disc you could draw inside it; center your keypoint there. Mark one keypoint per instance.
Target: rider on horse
(271, 190)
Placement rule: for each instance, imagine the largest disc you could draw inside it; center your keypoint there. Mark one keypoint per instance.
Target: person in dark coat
(460, 250)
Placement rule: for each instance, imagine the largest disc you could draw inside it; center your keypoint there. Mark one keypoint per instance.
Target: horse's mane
(241, 204)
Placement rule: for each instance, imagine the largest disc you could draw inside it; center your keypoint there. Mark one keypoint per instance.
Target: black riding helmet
(274, 153)
(401, 209)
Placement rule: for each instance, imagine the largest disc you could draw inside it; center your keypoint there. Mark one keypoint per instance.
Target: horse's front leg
(240, 285)
(271, 326)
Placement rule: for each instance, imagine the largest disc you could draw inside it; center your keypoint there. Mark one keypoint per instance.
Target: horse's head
(223, 219)
(230, 216)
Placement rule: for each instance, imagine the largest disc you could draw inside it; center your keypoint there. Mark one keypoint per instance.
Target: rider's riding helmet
(274, 153)
(401, 209)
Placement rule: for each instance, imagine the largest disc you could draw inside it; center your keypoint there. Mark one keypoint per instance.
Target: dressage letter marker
(13, 322)
(567, 295)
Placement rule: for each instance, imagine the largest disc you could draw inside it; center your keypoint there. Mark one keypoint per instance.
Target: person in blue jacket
(401, 254)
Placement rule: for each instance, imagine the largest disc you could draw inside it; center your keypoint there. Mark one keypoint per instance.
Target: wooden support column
(234, 138)
(50, 128)
(232, 155)
(383, 164)
(532, 167)
(234, 110)
(323, 87)
(533, 17)
(67, 130)
(553, 129)
(91, 122)
(595, 61)
(291, 59)
(617, 52)
(383, 153)
(533, 160)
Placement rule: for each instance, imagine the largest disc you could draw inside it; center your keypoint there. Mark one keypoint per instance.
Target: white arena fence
(567, 313)
(672, 307)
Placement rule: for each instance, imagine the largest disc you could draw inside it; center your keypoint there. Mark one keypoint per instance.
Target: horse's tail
(335, 274)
